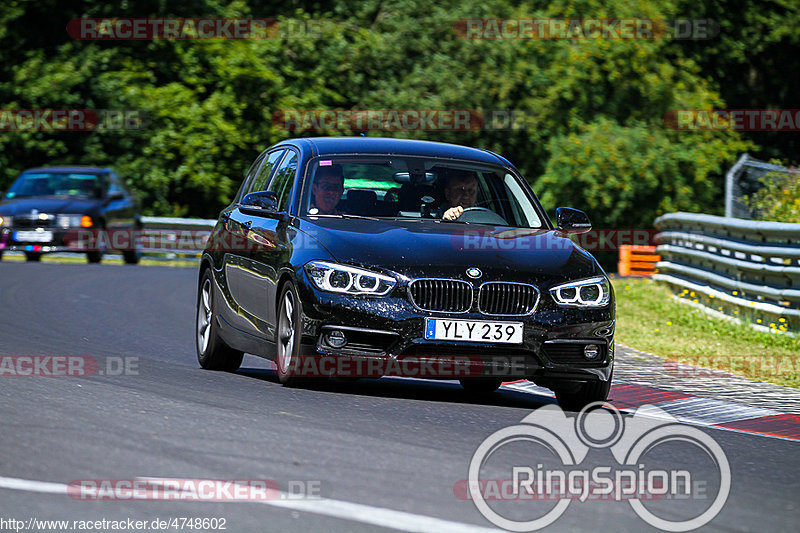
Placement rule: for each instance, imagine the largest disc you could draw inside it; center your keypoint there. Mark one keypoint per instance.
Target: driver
(460, 193)
(327, 189)
(39, 187)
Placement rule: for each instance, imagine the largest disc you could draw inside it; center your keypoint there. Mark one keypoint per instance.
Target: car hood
(431, 248)
(48, 204)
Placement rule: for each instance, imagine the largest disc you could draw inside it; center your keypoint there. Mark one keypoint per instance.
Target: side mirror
(570, 220)
(260, 203)
(116, 195)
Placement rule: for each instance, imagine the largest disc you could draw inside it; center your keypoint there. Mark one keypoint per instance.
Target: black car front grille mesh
(455, 296)
(34, 221)
(499, 298)
(448, 295)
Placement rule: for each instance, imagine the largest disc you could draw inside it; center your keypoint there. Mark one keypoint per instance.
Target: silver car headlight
(345, 279)
(68, 221)
(591, 292)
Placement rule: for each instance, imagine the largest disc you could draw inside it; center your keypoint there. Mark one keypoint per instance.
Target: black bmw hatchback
(365, 257)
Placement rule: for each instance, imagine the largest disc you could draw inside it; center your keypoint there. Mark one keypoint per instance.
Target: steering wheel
(481, 215)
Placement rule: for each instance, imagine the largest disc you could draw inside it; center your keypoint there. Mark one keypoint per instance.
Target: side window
(283, 180)
(262, 177)
(248, 178)
(112, 183)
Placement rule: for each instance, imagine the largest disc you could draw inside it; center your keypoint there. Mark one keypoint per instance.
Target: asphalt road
(374, 454)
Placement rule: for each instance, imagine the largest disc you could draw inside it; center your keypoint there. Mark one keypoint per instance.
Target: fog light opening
(591, 352)
(335, 338)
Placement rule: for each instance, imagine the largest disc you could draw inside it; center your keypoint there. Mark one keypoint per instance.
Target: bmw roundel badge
(474, 272)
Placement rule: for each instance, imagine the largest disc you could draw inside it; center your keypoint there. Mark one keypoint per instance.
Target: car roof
(64, 170)
(385, 145)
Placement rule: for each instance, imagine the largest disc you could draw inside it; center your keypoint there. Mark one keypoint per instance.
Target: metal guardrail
(175, 238)
(161, 238)
(746, 269)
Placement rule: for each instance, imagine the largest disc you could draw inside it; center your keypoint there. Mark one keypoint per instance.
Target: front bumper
(389, 334)
(46, 240)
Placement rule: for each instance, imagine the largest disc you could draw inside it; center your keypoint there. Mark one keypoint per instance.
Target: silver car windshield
(57, 184)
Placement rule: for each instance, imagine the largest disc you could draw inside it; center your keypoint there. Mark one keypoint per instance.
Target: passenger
(327, 190)
(460, 193)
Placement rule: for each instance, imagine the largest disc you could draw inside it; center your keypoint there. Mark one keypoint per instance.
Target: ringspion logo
(557, 447)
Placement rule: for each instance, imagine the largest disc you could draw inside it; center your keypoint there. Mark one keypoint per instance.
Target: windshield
(58, 184)
(416, 188)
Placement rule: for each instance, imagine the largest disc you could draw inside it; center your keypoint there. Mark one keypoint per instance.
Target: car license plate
(473, 331)
(33, 236)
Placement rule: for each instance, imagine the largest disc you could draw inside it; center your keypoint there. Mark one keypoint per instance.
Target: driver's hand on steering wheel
(453, 213)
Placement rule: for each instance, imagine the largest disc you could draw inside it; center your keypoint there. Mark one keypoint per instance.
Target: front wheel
(33, 256)
(94, 256)
(134, 254)
(212, 352)
(131, 257)
(288, 358)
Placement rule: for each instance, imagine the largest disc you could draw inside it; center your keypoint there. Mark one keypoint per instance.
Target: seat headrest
(359, 196)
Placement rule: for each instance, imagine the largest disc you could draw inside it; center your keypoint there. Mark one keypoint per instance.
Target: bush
(779, 198)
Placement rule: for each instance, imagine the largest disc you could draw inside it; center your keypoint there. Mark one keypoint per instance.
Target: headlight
(592, 292)
(348, 280)
(73, 221)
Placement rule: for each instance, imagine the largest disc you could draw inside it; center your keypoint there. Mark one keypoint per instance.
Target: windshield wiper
(343, 215)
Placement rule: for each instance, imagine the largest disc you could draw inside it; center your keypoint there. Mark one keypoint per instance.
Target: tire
(480, 386)
(1, 256)
(288, 336)
(94, 256)
(131, 257)
(212, 352)
(595, 391)
(33, 256)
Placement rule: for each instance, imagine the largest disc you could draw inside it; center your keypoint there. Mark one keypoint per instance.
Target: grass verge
(650, 319)
(110, 259)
